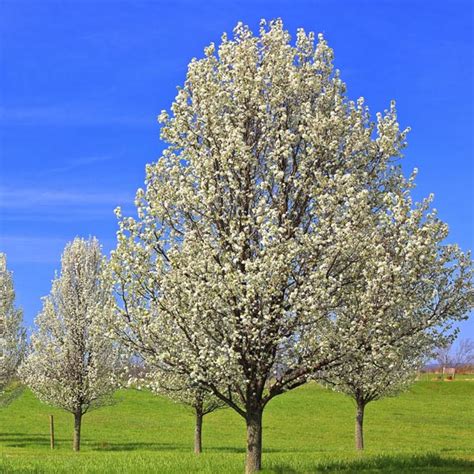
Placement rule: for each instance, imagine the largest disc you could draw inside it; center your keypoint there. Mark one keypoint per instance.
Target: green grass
(430, 428)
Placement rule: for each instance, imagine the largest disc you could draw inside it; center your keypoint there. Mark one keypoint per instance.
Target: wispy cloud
(76, 163)
(60, 216)
(72, 114)
(54, 198)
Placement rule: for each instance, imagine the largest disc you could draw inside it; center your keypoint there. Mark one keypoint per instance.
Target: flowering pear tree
(245, 230)
(411, 289)
(181, 389)
(72, 364)
(12, 334)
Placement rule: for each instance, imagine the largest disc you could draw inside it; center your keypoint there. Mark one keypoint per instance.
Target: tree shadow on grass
(24, 440)
(402, 463)
(242, 450)
(138, 446)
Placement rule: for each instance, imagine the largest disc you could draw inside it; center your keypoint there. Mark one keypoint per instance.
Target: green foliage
(430, 428)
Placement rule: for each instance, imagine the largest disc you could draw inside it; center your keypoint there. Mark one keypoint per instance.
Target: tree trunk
(254, 442)
(359, 426)
(76, 443)
(198, 433)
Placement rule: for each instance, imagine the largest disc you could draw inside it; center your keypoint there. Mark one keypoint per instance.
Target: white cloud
(53, 198)
(75, 163)
(72, 114)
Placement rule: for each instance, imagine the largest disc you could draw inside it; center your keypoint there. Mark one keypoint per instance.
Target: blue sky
(82, 82)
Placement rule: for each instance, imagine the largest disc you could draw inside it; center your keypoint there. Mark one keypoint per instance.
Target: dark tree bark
(198, 432)
(359, 425)
(76, 443)
(254, 441)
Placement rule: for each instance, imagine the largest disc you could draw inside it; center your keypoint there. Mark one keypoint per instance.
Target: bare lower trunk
(254, 442)
(359, 426)
(198, 433)
(76, 443)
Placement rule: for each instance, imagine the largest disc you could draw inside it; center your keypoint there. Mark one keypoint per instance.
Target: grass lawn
(430, 428)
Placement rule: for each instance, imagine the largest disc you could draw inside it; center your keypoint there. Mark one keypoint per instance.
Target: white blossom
(73, 364)
(252, 224)
(12, 333)
(408, 287)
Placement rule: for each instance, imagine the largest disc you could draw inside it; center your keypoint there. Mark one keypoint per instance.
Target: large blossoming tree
(12, 333)
(73, 364)
(245, 231)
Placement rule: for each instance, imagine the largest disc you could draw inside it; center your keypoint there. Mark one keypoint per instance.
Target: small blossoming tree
(12, 334)
(181, 389)
(411, 289)
(72, 364)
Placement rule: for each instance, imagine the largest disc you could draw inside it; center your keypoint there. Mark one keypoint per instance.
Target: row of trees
(75, 366)
(275, 242)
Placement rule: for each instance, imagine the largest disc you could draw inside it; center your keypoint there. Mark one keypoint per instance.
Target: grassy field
(428, 429)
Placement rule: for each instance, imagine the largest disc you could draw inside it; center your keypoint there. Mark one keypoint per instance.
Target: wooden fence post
(51, 430)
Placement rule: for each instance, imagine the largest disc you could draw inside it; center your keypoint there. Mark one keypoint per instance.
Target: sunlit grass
(430, 428)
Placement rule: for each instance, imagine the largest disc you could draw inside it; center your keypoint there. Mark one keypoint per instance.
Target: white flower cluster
(12, 333)
(276, 237)
(181, 389)
(73, 364)
(407, 290)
